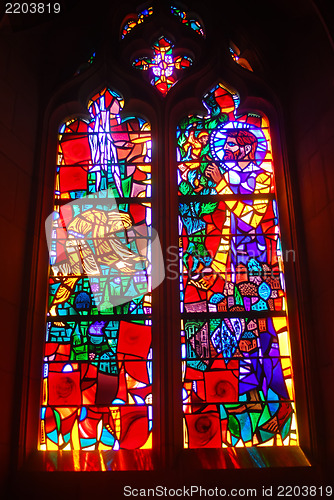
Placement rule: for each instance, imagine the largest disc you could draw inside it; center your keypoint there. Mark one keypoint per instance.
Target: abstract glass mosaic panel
(236, 56)
(163, 66)
(236, 363)
(135, 20)
(97, 376)
(189, 19)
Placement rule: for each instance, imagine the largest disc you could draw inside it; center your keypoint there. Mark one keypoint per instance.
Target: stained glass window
(98, 357)
(189, 19)
(135, 20)
(163, 66)
(235, 349)
(236, 364)
(86, 64)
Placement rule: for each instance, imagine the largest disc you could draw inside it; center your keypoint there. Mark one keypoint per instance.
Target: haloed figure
(240, 147)
(239, 173)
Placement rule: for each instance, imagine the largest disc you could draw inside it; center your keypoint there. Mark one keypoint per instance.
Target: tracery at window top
(238, 57)
(84, 66)
(135, 20)
(189, 19)
(163, 68)
(98, 357)
(236, 362)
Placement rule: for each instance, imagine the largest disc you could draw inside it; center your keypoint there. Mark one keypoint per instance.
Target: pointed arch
(97, 375)
(237, 369)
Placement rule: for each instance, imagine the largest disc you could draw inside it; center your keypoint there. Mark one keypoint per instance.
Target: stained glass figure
(237, 371)
(164, 66)
(135, 20)
(189, 19)
(97, 357)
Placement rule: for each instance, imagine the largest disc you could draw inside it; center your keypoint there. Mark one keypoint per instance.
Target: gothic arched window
(230, 371)
(237, 372)
(98, 357)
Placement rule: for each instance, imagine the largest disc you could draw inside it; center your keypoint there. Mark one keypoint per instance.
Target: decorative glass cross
(162, 67)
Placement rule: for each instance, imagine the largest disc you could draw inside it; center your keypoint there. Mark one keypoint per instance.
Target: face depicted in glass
(231, 149)
(235, 152)
(203, 138)
(119, 221)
